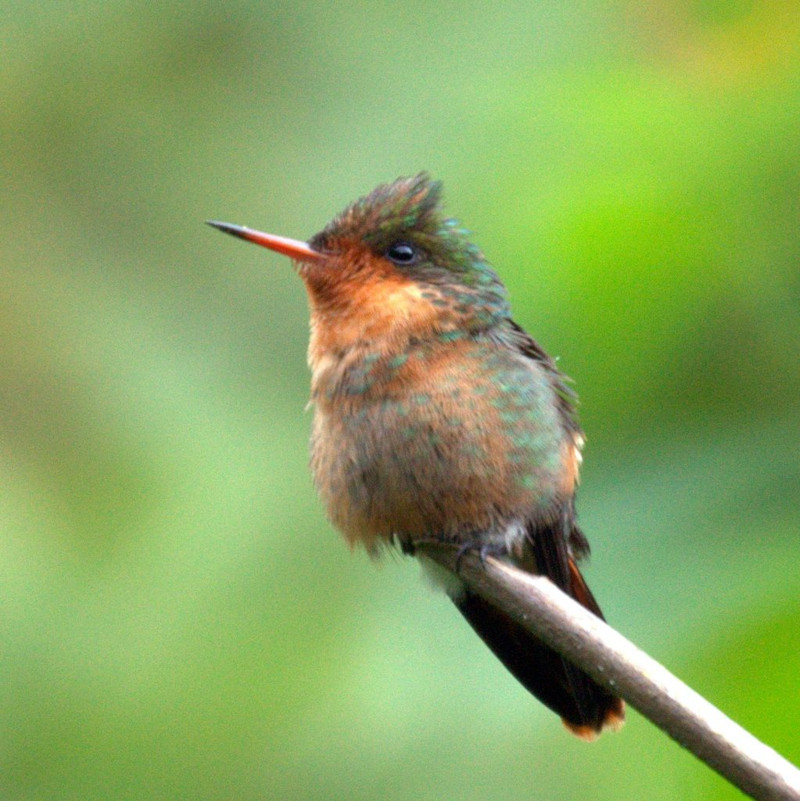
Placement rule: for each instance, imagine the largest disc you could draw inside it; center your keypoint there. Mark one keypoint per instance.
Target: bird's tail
(585, 707)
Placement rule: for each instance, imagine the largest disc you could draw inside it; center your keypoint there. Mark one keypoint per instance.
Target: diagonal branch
(616, 663)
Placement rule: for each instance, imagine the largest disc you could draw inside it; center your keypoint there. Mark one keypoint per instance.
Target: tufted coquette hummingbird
(437, 417)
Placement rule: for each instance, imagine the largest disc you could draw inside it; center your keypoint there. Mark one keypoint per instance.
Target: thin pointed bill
(294, 248)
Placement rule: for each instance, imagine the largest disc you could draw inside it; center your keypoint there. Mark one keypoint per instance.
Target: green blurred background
(178, 620)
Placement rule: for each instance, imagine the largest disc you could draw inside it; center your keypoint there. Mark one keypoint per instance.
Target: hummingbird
(437, 417)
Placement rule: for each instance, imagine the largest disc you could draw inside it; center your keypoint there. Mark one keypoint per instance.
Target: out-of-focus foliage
(177, 619)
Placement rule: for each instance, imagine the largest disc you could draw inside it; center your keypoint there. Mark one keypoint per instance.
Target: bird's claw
(484, 549)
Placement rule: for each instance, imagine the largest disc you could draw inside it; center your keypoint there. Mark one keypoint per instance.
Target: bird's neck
(349, 354)
(376, 315)
(359, 325)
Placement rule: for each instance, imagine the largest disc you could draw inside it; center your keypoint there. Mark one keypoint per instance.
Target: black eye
(402, 253)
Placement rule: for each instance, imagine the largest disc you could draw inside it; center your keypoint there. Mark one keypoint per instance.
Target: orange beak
(294, 248)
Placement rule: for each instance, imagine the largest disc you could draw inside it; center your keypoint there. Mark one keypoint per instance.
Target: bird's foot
(484, 549)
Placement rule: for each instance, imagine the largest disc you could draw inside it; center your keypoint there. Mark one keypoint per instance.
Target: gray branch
(616, 663)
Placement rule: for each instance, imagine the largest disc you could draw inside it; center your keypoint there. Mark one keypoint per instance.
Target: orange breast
(424, 443)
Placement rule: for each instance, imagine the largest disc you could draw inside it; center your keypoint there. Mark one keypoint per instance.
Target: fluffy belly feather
(439, 462)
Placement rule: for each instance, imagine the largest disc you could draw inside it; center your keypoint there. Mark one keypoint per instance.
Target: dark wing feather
(566, 396)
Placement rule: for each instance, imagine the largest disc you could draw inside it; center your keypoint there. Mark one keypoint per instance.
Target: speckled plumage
(436, 416)
(454, 439)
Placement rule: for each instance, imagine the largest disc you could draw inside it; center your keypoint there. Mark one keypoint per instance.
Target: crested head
(390, 209)
(401, 226)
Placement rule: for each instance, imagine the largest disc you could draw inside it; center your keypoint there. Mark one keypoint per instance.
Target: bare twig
(616, 663)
